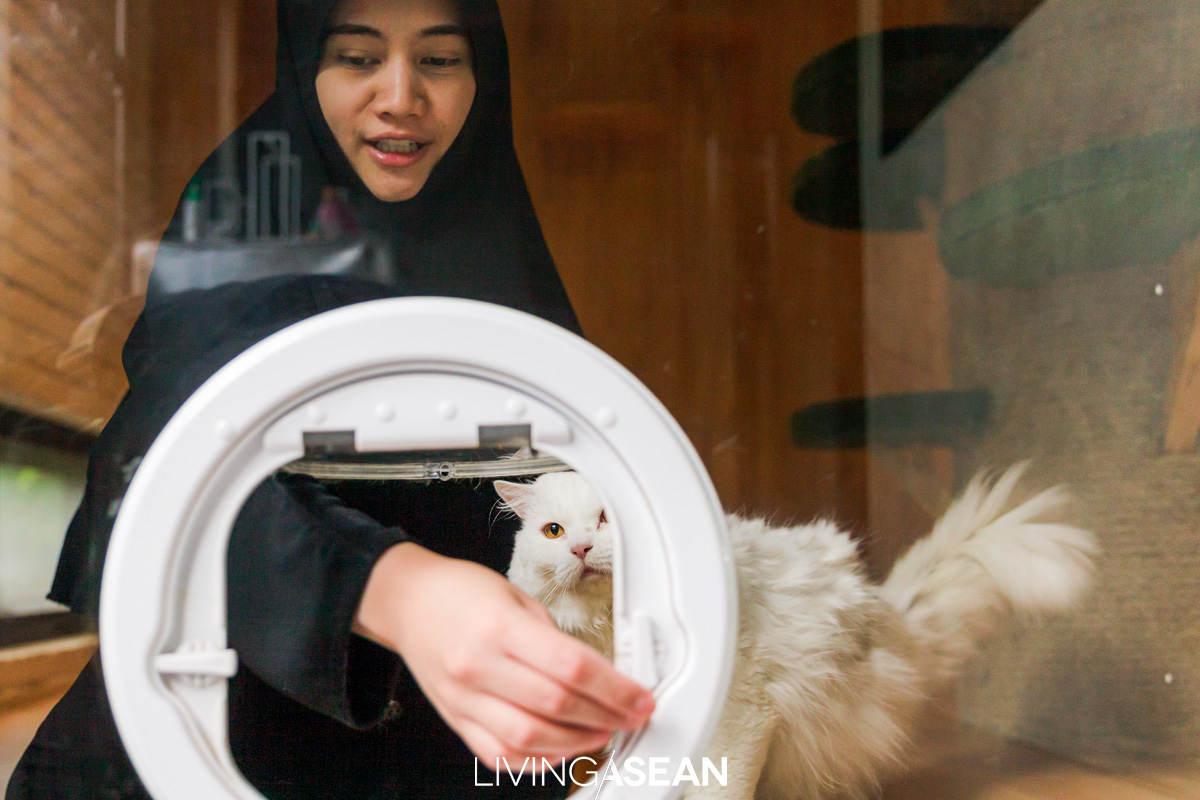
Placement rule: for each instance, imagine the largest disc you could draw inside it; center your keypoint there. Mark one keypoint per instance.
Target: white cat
(831, 671)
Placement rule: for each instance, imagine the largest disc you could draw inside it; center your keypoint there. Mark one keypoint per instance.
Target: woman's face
(395, 85)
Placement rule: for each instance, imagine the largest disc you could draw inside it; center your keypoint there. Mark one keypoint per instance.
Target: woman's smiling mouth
(405, 146)
(394, 152)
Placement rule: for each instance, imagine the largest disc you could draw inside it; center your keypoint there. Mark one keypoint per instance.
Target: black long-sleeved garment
(316, 711)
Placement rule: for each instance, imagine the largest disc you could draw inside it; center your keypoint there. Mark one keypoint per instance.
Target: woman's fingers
(581, 671)
(547, 698)
(518, 734)
(533, 606)
(493, 665)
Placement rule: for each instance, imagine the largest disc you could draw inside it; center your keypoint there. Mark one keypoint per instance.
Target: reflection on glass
(39, 490)
(858, 250)
(1054, 269)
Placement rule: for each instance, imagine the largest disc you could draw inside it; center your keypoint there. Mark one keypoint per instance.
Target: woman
(338, 615)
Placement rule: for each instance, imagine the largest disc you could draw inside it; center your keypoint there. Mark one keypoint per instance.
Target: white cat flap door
(401, 376)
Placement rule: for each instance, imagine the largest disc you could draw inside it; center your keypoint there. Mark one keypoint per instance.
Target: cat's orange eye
(603, 519)
(553, 530)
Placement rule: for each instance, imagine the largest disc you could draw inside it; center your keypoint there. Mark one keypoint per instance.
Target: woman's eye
(441, 62)
(552, 530)
(355, 62)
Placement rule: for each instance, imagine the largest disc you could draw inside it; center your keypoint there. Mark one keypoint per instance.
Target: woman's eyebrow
(351, 29)
(449, 29)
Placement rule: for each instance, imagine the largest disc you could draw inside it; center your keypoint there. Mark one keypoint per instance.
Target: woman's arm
(298, 563)
(305, 570)
(491, 661)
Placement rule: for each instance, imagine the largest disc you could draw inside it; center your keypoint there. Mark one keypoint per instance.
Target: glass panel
(859, 250)
(100, 123)
(1029, 265)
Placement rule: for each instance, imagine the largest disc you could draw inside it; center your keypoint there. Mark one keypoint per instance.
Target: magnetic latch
(506, 437)
(328, 443)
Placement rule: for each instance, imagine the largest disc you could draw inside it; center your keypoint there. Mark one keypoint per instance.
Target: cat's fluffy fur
(831, 671)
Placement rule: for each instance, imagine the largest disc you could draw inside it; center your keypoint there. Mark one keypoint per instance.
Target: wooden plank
(59, 213)
(77, 259)
(21, 341)
(59, 64)
(20, 307)
(140, 74)
(96, 373)
(89, 123)
(94, 120)
(31, 188)
(88, 212)
(60, 220)
(714, 33)
(87, 215)
(91, 22)
(62, 414)
(35, 259)
(37, 357)
(39, 391)
(58, 148)
(40, 114)
(63, 114)
(17, 728)
(43, 669)
(39, 127)
(97, 343)
(1172, 780)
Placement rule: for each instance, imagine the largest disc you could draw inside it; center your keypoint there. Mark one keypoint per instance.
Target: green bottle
(191, 211)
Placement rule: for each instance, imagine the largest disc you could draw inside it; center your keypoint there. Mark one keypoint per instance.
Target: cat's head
(563, 553)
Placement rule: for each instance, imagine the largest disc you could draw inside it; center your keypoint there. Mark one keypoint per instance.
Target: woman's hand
(492, 662)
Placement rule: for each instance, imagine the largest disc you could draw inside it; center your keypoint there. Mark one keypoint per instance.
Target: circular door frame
(163, 614)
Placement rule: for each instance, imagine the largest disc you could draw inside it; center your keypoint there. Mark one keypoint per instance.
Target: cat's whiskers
(558, 585)
(556, 591)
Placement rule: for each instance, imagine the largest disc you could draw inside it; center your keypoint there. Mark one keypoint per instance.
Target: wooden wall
(214, 63)
(107, 109)
(659, 151)
(73, 185)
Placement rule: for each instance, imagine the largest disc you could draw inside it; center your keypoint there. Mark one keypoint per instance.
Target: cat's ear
(516, 496)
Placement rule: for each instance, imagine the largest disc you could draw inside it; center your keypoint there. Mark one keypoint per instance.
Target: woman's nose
(400, 92)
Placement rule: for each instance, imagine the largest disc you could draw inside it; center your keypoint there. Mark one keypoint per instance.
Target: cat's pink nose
(581, 550)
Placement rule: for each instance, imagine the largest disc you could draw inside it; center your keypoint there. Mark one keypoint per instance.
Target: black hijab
(471, 232)
(315, 706)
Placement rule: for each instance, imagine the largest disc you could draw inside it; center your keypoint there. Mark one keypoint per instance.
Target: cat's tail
(982, 561)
